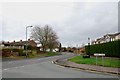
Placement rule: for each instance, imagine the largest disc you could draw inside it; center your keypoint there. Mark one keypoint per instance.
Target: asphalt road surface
(44, 68)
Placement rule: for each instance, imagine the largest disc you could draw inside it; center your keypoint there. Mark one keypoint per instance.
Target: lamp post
(26, 39)
(89, 47)
(77, 48)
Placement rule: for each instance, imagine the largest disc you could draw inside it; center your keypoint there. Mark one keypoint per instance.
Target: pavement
(64, 62)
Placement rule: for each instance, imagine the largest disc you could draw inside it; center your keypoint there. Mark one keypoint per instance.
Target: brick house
(19, 44)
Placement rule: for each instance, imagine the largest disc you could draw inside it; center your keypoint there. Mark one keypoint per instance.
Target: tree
(60, 46)
(52, 41)
(45, 36)
(64, 49)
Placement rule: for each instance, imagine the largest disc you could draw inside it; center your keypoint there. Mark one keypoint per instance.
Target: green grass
(108, 61)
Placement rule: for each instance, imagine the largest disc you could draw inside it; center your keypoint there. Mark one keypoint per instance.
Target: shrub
(29, 47)
(21, 52)
(7, 52)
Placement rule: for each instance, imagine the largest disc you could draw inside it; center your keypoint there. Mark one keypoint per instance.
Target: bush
(21, 52)
(110, 49)
(29, 47)
(7, 52)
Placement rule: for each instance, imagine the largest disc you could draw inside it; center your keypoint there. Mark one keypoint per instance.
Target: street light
(26, 39)
(77, 49)
(89, 47)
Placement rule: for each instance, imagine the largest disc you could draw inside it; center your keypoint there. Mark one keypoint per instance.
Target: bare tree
(53, 41)
(45, 36)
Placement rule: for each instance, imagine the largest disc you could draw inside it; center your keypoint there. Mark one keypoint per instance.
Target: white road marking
(22, 66)
(16, 67)
(5, 69)
(10, 62)
(53, 62)
(13, 68)
(60, 66)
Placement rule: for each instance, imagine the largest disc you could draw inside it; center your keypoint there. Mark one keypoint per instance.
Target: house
(69, 49)
(112, 37)
(19, 44)
(107, 38)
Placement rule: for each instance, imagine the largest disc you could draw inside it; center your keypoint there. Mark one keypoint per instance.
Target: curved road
(44, 68)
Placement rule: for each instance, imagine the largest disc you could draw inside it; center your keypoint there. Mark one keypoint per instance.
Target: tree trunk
(43, 47)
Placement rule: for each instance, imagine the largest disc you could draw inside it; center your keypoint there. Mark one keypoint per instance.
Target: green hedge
(111, 49)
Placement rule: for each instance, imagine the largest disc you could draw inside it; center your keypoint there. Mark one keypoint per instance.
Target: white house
(107, 38)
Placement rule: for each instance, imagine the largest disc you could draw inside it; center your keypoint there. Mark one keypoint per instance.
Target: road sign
(102, 55)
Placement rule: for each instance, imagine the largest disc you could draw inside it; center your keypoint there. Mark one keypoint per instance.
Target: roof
(100, 39)
(113, 35)
(19, 43)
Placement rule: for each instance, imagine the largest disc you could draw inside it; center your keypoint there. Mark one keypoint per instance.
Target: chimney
(28, 39)
(14, 41)
(8, 41)
(20, 40)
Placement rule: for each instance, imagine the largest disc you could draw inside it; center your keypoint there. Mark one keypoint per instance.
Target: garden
(110, 49)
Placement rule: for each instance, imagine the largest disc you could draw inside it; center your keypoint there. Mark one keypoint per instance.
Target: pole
(26, 42)
(77, 49)
(102, 61)
(96, 60)
(89, 47)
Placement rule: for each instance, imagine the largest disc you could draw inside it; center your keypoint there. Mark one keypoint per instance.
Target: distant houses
(74, 49)
(106, 38)
(19, 44)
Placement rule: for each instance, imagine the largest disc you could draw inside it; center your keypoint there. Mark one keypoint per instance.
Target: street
(44, 68)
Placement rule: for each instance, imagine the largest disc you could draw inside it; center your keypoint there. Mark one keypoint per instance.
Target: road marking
(53, 62)
(13, 68)
(60, 66)
(22, 66)
(16, 67)
(10, 62)
(5, 69)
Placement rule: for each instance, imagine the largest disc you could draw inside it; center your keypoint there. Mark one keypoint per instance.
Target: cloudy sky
(74, 22)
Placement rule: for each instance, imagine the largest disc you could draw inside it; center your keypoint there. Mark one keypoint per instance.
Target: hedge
(7, 52)
(111, 49)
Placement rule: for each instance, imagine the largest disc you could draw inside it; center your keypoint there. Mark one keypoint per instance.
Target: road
(44, 68)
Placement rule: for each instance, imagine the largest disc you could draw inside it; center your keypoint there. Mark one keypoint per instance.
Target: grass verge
(48, 54)
(108, 61)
